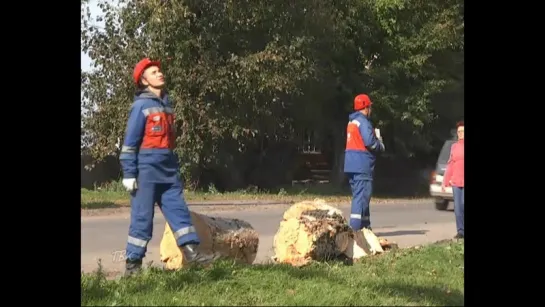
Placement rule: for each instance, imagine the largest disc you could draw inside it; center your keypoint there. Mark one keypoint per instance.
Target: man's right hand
(129, 184)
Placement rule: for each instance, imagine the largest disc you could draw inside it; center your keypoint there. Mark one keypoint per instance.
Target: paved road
(408, 224)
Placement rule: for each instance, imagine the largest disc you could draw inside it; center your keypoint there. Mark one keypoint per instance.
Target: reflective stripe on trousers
(184, 231)
(359, 217)
(137, 242)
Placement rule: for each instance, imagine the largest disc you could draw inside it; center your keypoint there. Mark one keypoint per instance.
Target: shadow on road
(401, 233)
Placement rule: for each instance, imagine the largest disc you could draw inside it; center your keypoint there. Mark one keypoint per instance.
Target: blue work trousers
(362, 187)
(169, 197)
(458, 193)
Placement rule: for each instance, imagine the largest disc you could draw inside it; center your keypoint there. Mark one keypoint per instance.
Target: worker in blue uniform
(359, 163)
(151, 170)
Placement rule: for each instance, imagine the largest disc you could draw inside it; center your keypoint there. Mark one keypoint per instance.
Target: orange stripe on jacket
(354, 140)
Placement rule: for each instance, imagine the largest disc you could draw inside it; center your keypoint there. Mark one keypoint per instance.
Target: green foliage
(245, 75)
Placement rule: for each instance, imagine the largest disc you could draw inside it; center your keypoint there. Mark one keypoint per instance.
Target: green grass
(113, 195)
(430, 276)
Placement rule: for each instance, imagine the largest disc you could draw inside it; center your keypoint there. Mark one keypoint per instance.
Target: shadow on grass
(94, 285)
(435, 295)
(313, 271)
(176, 281)
(99, 205)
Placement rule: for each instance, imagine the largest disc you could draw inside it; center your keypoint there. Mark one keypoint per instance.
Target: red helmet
(141, 66)
(361, 102)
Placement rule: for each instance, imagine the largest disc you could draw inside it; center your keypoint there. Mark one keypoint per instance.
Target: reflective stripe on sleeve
(128, 149)
(153, 110)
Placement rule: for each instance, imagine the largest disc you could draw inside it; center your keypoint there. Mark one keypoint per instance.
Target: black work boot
(194, 256)
(459, 236)
(132, 267)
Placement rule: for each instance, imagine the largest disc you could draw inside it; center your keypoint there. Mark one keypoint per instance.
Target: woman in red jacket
(454, 177)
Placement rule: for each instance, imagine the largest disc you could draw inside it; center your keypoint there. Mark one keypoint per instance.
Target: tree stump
(315, 231)
(228, 238)
(311, 230)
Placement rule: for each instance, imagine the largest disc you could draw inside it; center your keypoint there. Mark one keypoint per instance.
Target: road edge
(218, 206)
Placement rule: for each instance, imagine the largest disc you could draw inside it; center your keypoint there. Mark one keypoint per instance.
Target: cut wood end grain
(229, 238)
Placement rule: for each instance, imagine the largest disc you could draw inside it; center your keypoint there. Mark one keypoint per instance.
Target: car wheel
(441, 204)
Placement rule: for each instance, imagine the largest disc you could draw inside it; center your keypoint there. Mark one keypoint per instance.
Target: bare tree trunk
(337, 171)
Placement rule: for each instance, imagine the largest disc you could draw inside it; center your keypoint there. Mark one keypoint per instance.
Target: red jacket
(454, 175)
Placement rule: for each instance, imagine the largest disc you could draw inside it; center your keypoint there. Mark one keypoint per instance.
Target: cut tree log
(315, 231)
(228, 238)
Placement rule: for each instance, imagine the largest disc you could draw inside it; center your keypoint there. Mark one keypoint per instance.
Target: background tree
(247, 77)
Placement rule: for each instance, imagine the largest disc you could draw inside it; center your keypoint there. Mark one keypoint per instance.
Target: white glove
(377, 133)
(379, 137)
(129, 184)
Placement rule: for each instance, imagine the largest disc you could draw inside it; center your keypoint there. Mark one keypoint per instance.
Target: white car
(442, 199)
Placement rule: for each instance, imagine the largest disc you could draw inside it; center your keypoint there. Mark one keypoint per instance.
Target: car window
(445, 152)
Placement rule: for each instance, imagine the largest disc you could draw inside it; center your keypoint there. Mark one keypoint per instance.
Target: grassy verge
(430, 276)
(113, 195)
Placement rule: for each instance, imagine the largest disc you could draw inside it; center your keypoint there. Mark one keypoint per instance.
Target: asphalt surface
(407, 224)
